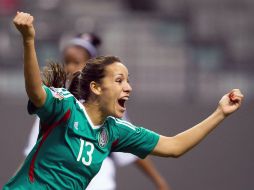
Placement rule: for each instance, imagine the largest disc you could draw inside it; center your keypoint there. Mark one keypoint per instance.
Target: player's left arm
(177, 145)
(33, 83)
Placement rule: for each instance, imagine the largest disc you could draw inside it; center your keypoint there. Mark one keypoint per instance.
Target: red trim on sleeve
(114, 144)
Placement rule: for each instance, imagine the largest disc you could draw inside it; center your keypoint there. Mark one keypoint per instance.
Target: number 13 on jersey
(89, 152)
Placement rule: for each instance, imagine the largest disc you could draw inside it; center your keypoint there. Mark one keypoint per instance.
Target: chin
(119, 115)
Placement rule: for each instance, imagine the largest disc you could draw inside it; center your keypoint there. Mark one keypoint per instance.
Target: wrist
(220, 114)
(28, 41)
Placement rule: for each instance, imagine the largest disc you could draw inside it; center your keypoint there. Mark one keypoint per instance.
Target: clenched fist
(231, 102)
(24, 24)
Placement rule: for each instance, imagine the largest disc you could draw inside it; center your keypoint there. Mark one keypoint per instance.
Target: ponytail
(53, 74)
(74, 87)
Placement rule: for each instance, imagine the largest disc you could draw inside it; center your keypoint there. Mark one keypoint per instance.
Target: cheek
(80, 66)
(68, 68)
(108, 96)
(73, 67)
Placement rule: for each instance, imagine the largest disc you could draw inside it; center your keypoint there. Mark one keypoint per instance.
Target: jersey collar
(88, 118)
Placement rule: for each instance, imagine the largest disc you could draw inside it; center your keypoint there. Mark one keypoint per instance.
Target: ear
(95, 88)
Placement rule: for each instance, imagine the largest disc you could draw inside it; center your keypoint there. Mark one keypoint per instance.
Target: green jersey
(70, 149)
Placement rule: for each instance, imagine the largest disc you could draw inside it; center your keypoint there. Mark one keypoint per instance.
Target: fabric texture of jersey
(105, 179)
(70, 150)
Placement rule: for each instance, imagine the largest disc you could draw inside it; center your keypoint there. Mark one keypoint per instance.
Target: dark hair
(53, 74)
(93, 71)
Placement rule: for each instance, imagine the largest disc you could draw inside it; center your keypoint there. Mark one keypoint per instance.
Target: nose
(127, 87)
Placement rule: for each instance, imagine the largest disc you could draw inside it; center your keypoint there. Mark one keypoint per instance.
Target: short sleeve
(133, 139)
(55, 106)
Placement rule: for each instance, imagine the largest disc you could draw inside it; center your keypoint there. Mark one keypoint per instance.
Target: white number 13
(88, 153)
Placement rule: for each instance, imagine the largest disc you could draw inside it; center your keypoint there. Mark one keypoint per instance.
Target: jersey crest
(103, 137)
(56, 93)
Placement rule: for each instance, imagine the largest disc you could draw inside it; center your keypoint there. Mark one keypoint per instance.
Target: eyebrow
(122, 75)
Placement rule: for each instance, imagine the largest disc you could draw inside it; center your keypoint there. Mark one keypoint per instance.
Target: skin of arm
(33, 82)
(178, 145)
(149, 169)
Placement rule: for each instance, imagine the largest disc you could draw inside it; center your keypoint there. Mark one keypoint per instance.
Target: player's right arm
(33, 82)
(179, 144)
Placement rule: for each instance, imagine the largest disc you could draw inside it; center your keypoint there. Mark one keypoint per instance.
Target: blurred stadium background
(182, 55)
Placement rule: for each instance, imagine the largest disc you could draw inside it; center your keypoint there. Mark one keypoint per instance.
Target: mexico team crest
(103, 137)
(57, 94)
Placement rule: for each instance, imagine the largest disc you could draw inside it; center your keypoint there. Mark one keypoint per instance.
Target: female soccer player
(75, 54)
(76, 138)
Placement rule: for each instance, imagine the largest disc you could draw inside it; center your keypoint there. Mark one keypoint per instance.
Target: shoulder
(59, 93)
(121, 124)
(58, 98)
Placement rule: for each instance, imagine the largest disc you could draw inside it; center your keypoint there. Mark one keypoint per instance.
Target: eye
(119, 80)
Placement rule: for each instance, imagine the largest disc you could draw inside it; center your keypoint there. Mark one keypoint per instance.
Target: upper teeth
(125, 98)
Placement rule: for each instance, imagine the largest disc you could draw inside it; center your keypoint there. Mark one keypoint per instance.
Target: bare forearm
(31, 68)
(24, 24)
(177, 145)
(181, 143)
(191, 137)
(33, 82)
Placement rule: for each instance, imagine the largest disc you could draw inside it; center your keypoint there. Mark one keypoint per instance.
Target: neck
(95, 114)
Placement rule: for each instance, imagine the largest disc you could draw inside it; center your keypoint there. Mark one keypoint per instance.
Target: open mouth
(122, 101)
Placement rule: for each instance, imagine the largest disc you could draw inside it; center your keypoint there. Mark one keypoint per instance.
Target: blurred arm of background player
(145, 165)
(149, 169)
